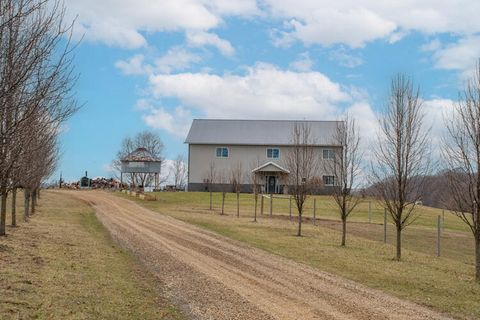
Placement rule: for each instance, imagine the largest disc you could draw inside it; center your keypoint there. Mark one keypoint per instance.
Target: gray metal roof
(255, 132)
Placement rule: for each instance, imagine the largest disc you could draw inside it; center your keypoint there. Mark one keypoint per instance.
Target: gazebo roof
(140, 155)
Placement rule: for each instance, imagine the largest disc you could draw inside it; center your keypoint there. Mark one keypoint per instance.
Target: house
(256, 147)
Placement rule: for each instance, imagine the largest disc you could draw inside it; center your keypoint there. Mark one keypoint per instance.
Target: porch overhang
(270, 167)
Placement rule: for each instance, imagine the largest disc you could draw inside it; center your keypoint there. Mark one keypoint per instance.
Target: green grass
(64, 265)
(445, 284)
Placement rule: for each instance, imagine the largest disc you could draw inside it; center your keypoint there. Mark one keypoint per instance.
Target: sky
(158, 64)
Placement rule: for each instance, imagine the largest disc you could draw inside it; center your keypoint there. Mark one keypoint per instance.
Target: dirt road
(212, 277)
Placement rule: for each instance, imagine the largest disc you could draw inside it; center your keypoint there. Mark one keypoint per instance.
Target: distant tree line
(36, 96)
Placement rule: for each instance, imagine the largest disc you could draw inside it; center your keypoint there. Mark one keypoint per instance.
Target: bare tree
(462, 155)
(401, 156)
(302, 162)
(255, 187)
(345, 167)
(236, 177)
(223, 179)
(36, 80)
(210, 178)
(179, 170)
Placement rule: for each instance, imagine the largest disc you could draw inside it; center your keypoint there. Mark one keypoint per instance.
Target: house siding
(250, 157)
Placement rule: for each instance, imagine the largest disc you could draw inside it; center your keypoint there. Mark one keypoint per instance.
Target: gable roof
(256, 132)
(270, 167)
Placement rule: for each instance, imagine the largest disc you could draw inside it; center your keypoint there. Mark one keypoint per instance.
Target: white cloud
(355, 23)
(460, 56)
(176, 59)
(436, 113)
(365, 119)
(345, 59)
(303, 63)
(200, 39)
(431, 46)
(265, 91)
(123, 22)
(133, 66)
(176, 123)
(108, 168)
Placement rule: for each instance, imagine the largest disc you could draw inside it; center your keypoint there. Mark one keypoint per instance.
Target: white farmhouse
(257, 147)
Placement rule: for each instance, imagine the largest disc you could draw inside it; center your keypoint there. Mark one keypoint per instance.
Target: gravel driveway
(211, 277)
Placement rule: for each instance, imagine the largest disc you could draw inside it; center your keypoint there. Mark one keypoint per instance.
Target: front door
(271, 184)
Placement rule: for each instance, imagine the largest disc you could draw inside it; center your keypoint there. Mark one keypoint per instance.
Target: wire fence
(435, 231)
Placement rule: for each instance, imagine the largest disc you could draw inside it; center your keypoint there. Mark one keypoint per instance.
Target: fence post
(261, 204)
(314, 212)
(385, 226)
(271, 205)
(290, 207)
(438, 236)
(369, 211)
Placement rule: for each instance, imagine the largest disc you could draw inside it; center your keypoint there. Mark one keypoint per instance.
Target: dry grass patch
(63, 265)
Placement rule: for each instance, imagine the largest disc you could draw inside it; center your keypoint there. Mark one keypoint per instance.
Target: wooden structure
(141, 163)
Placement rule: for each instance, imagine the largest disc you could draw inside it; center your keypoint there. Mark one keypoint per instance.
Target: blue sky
(147, 64)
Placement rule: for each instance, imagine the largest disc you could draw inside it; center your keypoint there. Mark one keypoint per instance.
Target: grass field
(456, 242)
(444, 283)
(63, 265)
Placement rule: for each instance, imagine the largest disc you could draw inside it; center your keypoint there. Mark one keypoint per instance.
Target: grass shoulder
(64, 265)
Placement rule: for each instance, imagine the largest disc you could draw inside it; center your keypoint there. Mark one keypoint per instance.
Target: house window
(273, 153)
(222, 152)
(329, 180)
(328, 154)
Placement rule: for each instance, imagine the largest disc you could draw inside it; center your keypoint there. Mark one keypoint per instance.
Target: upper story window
(329, 180)
(273, 153)
(222, 152)
(328, 154)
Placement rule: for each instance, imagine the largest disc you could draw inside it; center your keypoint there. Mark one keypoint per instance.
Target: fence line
(369, 214)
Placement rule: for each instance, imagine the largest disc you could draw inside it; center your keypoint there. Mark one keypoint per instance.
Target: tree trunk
(255, 215)
(238, 204)
(34, 201)
(210, 199)
(299, 233)
(477, 257)
(3, 211)
(344, 231)
(14, 207)
(223, 202)
(26, 204)
(399, 243)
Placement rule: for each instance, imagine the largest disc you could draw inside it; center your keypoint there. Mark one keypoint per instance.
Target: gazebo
(141, 162)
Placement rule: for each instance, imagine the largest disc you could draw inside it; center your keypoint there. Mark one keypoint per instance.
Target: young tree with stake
(462, 155)
(255, 187)
(345, 167)
(302, 162)
(401, 156)
(210, 178)
(236, 180)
